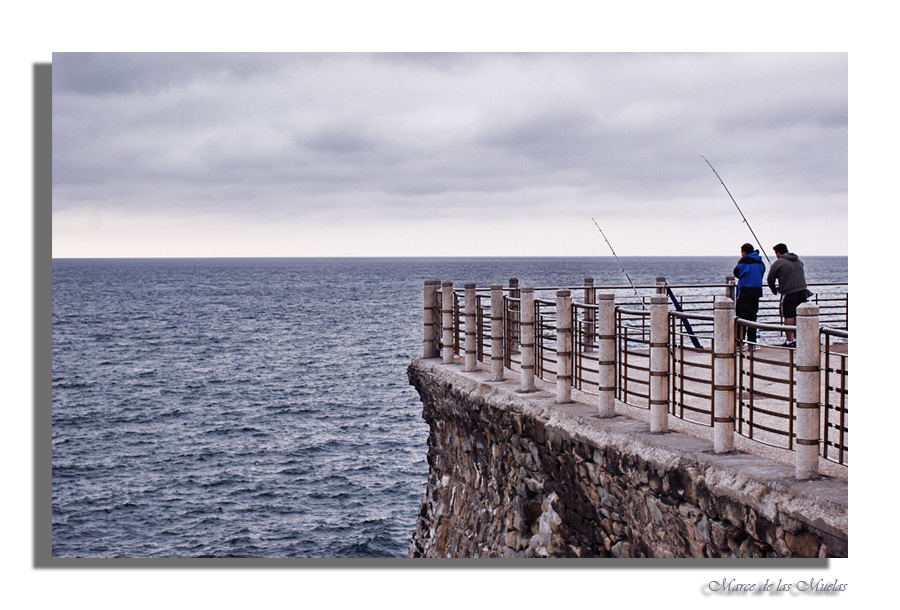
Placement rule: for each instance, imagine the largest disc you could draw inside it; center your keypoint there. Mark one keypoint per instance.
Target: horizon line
(416, 256)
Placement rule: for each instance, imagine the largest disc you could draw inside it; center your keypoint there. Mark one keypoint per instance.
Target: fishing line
(684, 321)
(620, 265)
(761, 249)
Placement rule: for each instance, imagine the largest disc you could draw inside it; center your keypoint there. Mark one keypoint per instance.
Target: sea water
(260, 407)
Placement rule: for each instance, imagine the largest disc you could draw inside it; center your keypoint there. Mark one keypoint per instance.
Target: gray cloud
(287, 135)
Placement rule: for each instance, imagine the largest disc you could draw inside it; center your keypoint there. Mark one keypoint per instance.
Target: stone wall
(515, 475)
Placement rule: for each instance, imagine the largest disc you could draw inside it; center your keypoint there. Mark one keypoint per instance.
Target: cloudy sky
(447, 154)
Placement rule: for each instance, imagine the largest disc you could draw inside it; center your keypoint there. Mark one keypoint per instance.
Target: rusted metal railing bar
(778, 380)
(695, 395)
(840, 449)
(641, 383)
(633, 312)
(689, 410)
(764, 360)
(766, 326)
(776, 414)
(692, 316)
(691, 349)
(834, 332)
(840, 427)
(588, 306)
(482, 321)
(456, 325)
(774, 431)
(697, 379)
(631, 392)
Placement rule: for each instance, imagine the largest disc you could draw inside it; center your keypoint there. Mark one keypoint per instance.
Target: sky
(448, 154)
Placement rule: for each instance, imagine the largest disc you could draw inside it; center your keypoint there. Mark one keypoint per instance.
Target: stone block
(802, 544)
(621, 550)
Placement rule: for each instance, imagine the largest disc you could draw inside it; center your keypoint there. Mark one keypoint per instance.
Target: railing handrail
(639, 286)
(588, 306)
(633, 312)
(766, 326)
(834, 332)
(691, 316)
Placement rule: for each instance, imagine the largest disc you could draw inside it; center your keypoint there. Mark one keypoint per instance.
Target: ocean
(259, 408)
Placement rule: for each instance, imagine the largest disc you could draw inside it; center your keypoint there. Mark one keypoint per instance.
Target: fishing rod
(684, 321)
(761, 249)
(620, 265)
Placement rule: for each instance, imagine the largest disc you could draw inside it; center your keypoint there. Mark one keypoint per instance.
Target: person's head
(746, 249)
(779, 250)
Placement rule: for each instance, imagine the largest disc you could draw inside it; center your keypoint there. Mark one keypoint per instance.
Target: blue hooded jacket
(749, 272)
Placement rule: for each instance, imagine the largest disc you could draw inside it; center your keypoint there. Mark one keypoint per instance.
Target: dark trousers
(746, 308)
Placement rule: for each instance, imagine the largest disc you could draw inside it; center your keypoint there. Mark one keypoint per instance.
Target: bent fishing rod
(620, 265)
(761, 249)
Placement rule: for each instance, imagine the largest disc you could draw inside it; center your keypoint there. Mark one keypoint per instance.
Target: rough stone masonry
(515, 475)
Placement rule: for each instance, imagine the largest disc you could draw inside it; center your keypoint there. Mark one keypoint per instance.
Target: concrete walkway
(763, 411)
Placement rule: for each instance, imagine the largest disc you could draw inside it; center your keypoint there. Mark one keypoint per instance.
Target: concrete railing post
(496, 332)
(807, 364)
(659, 364)
(590, 315)
(527, 326)
(661, 285)
(471, 330)
(606, 330)
(723, 376)
(563, 346)
(430, 349)
(729, 287)
(447, 320)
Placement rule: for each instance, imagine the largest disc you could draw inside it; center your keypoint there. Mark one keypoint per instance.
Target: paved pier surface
(766, 405)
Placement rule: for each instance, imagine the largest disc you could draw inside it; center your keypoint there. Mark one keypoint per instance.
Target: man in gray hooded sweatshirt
(788, 270)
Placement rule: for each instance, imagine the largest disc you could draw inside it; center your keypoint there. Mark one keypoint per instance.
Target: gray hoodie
(788, 270)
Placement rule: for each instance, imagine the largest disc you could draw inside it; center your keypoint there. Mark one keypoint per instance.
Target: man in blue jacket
(749, 273)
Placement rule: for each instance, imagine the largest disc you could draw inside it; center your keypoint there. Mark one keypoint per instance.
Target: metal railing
(765, 389)
(765, 399)
(633, 356)
(691, 343)
(585, 365)
(836, 391)
(545, 339)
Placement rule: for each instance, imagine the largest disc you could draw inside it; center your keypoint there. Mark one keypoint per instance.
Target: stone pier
(518, 474)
